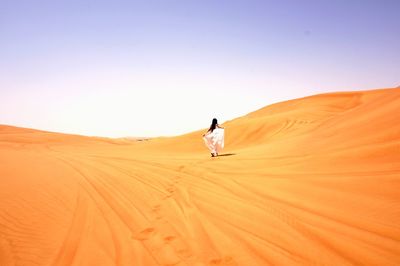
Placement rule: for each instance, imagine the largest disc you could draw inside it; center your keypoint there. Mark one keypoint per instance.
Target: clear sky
(149, 68)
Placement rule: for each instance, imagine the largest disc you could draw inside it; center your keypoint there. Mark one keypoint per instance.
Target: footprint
(169, 239)
(171, 190)
(144, 234)
(226, 261)
(167, 196)
(215, 262)
(156, 208)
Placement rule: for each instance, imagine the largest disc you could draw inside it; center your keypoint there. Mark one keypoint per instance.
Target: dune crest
(314, 180)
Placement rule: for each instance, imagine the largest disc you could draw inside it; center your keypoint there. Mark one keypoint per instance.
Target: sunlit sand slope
(312, 181)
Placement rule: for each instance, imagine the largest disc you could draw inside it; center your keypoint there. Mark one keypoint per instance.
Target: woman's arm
(219, 126)
(206, 133)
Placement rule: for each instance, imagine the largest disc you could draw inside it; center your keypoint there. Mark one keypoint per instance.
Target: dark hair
(213, 125)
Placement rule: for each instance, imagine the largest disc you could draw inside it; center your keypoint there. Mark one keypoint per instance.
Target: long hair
(213, 125)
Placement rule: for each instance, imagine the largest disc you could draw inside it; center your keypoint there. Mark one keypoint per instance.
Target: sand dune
(311, 181)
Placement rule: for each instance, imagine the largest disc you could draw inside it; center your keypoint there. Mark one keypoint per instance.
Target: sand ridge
(307, 181)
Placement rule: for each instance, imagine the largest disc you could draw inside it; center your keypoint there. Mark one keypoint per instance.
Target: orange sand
(312, 181)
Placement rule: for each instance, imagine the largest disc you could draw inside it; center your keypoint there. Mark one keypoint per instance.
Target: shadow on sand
(226, 154)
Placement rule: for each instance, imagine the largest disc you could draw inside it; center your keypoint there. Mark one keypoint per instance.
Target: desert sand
(311, 181)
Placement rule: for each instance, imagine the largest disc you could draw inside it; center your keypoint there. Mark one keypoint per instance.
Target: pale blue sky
(149, 68)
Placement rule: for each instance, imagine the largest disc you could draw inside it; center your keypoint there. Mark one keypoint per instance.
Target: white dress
(215, 140)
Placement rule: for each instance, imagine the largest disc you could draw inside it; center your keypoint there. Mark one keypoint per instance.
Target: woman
(214, 138)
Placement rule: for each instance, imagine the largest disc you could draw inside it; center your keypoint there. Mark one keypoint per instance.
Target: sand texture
(311, 181)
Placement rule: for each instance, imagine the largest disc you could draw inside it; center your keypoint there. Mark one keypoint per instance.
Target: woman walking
(214, 138)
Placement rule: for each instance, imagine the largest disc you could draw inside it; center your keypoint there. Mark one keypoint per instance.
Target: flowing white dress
(215, 140)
